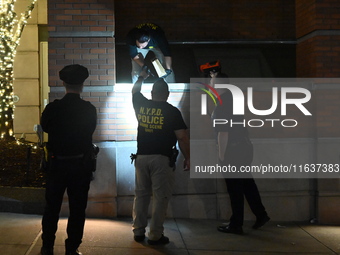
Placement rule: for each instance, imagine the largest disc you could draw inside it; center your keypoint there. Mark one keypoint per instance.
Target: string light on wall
(11, 28)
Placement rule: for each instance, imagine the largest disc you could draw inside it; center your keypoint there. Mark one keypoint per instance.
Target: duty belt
(68, 157)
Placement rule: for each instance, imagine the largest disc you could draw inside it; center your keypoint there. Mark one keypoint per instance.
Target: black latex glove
(146, 69)
(168, 72)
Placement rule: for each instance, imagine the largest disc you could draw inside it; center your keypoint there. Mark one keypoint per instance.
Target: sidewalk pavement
(20, 234)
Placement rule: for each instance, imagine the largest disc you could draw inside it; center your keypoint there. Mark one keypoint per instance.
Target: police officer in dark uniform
(70, 123)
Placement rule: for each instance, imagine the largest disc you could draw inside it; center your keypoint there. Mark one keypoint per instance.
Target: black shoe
(260, 222)
(46, 251)
(73, 253)
(230, 229)
(139, 238)
(162, 240)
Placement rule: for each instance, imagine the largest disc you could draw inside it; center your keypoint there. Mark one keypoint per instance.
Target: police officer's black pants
(71, 176)
(238, 189)
(243, 185)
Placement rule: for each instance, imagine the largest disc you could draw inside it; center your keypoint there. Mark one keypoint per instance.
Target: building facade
(270, 39)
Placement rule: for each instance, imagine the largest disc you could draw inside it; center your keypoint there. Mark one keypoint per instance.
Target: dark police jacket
(70, 123)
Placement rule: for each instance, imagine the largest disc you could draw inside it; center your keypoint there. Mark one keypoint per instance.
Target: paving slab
(104, 236)
(327, 235)
(20, 234)
(202, 236)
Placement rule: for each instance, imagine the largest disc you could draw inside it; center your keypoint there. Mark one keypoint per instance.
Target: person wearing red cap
(70, 123)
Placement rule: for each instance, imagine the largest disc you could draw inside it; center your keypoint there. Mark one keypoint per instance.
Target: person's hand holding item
(168, 72)
(144, 73)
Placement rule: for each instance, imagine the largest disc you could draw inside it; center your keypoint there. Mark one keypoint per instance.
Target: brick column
(317, 55)
(318, 37)
(82, 32)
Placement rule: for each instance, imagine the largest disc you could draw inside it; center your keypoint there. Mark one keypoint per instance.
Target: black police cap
(74, 74)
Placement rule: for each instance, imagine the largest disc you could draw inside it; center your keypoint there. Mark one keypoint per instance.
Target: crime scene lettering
(150, 119)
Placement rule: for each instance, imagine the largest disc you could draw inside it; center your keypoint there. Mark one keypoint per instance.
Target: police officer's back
(70, 123)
